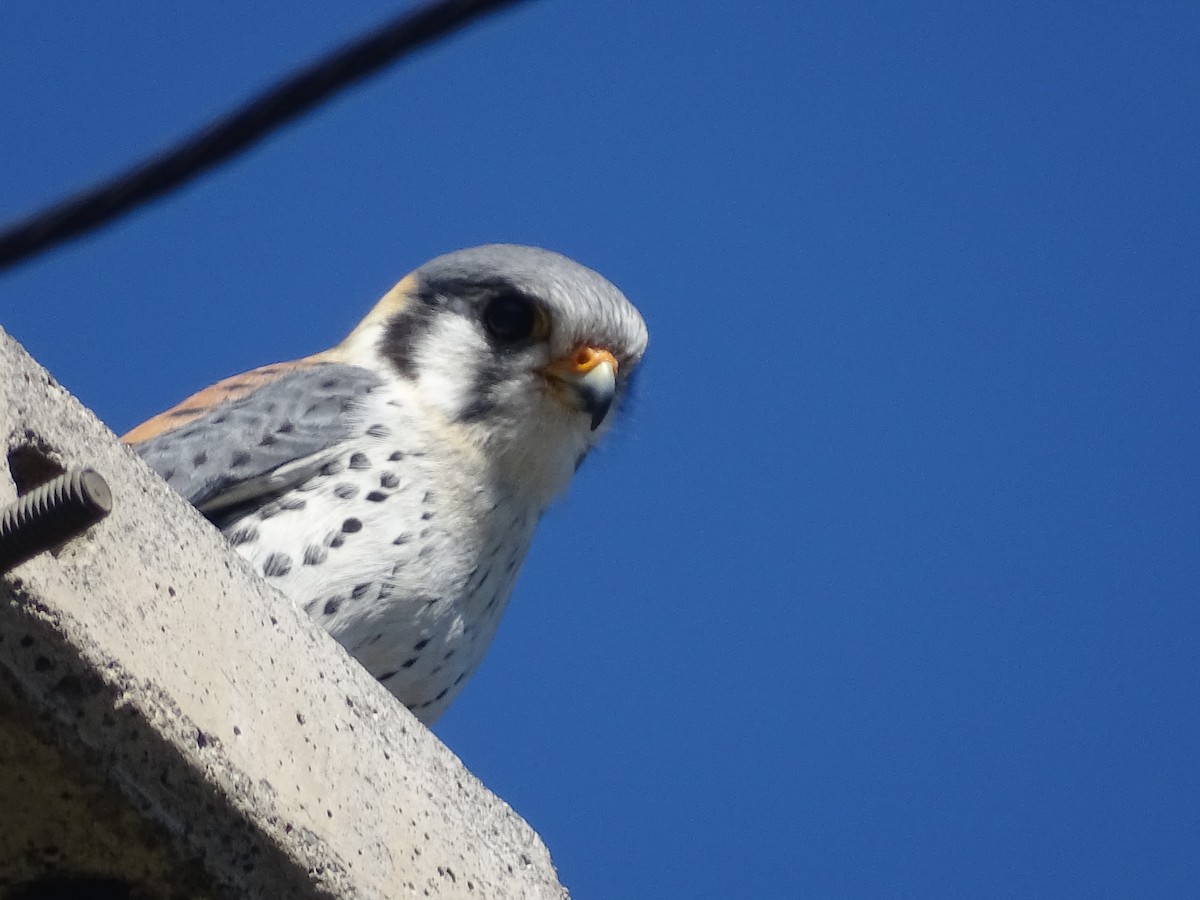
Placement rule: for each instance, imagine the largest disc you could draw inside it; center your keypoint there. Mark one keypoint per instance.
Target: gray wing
(244, 452)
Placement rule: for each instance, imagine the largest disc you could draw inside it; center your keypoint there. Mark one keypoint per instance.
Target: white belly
(411, 578)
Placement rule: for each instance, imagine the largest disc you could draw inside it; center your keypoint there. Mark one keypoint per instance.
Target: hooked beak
(590, 375)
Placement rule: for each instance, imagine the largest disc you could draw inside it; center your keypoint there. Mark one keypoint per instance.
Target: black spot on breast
(396, 456)
(286, 428)
(345, 490)
(240, 458)
(471, 586)
(402, 539)
(377, 496)
(389, 480)
(332, 604)
(352, 525)
(293, 504)
(421, 644)
(360, 590)
(242, 535)
(221, 419)
(336, 540)
(330, 468)
(426, 516)
(314, 555)
(200, 458)
(359, 461)
(409, 663)
(379, 431)
(427, 496)
(277, 564)
(267, 440)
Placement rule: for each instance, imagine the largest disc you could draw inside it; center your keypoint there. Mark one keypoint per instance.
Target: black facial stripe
(469, 298)
(466, 297)
(483, 400)
(404, 333)
(479, 408)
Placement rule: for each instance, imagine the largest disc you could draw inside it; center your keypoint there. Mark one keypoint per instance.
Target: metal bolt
(51, 515)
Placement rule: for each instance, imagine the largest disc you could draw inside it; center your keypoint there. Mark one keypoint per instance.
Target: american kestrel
(391, 485)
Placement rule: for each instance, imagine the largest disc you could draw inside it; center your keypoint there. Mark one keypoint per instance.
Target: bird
(391, 485)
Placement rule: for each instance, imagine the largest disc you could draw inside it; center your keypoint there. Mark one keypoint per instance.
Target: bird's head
(520, 352)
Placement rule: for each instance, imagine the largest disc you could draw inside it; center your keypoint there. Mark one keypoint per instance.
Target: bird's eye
(510, 317)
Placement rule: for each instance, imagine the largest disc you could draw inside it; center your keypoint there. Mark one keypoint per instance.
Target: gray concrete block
(170, 722)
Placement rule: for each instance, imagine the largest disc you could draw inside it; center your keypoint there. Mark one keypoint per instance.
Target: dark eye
(510, 317)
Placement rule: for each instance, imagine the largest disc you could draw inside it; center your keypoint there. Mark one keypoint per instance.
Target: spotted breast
(391, 485)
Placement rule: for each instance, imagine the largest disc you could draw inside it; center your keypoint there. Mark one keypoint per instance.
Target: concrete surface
(172, 727)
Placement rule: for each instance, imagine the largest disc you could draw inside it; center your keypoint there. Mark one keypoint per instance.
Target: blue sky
(896, 584)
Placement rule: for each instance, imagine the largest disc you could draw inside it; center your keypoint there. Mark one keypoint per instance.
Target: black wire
(238, 130)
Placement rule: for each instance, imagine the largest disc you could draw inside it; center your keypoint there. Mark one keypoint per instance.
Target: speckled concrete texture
(172, 727)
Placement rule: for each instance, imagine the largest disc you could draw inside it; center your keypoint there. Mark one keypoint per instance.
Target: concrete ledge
(172, 727)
